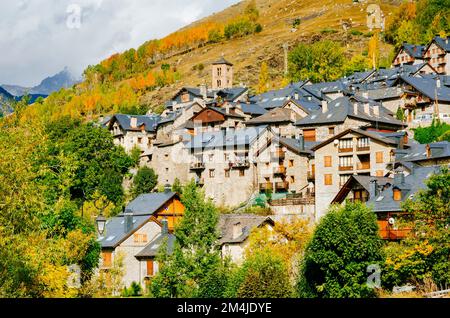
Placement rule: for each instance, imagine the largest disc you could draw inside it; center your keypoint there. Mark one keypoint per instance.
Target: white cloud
(35, 40)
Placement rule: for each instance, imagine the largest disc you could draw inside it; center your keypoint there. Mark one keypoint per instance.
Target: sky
(38, 38)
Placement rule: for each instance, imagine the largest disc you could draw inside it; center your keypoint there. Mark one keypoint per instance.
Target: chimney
(324, 106)
(428, 151)
(204, 91)
(133, 122)
(355, 108)
(296, 96)
(301, 140)
(237, 230)
(399, 177)
(128, 221)
(376, 110)
(365, 94)
(373, 188)
(227, 108)
(167, 188)
(438, 82)
(165, 227)
(367, 108)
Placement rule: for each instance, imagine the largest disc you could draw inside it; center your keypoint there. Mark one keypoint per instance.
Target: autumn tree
(263, 78)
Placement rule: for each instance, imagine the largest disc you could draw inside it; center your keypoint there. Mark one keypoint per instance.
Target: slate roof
(343, 107)
(416, 51)
(150, 121)
(152, 249)
(443, 43)
(216, 139)
(427, 85)
(222, 60)
(148, 204)
(253, 109)
(248, 222)
(364, 181)
(418, 152)
(413, 183)
(115, 230)
(278, 98)
(170, 118)
(224, 112)
(277, 115)
(385, 93)
(296, 146)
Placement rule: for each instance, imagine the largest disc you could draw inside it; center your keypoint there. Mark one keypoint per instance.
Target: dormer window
(397, 195)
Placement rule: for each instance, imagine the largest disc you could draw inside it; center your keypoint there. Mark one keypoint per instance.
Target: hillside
(144, 78)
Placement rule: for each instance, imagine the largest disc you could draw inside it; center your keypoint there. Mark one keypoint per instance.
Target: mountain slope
(63, 79)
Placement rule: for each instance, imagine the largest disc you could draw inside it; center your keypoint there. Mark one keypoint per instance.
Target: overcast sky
(39, 38)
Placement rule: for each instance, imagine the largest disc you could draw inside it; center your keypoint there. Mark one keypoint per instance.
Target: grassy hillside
(142, 79)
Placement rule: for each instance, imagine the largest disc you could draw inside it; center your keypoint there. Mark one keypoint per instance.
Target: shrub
(336, 261)
(356, 32)
(144, 181)
(296, 23)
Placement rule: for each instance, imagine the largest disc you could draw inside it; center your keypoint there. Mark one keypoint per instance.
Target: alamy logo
(374, 279)
(74, 16)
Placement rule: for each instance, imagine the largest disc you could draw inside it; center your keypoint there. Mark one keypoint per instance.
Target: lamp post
(100, 220)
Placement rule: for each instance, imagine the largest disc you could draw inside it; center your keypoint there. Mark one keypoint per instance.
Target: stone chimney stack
(165, 227)
(355, 108)
(204, 91)
(367, 108)
(399, 177)
(133, 122)
(324, 106)
(376, 110)
(128, 221)
(373, 188)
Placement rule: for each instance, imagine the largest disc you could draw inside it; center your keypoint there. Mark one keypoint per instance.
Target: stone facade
(438, 58)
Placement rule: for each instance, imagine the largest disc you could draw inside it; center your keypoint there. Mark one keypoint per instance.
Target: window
(219, 71)
(380, 173)
(167, 170)
(139, 140)
(150, 268)
(185, 98)
(227, 157)
(328, 179)
(331, 130)
(212, 173)
(267, 164)
(327, 161)
(140, 238)
(397, 195)
(363, 142)
(309, 134)
(291, 163)
(241, 173)
(292, 179)
(227, 173)
(343, 179)
(219, 83)
(346, 161)
(107, 259)
(346, 144)
(379, 157)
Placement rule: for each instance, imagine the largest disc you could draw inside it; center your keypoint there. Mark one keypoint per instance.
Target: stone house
(437, 53)
(351, 152)
(409, 54)
(280, 120)
(234, 231)
(215, 118)
(225, 163)
(129, 233)
(131, 131)
(344, 113)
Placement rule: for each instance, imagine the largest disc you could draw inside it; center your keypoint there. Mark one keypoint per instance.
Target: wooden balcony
(198, 166)
(266, 186)
(363, 166)
(363, 148)
(282, 186)
(279, 170)
(345, 168)
(311, 177)
(342, 150)
(294, 200)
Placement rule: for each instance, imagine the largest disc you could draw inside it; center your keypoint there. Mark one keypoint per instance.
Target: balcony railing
(279, 170)
(363, 166)
(240, 164)
(363, 148)
(266, 186)
(282, 185)
(198, 166)
(345, 168)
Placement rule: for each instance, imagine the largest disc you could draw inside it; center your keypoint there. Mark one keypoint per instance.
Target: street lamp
(101, 223)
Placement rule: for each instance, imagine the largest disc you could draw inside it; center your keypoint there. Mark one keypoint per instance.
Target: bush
(426, 135)
(328, 31)
(135, 290)
(239, 29)
(296, 22)
(215, 36)
(336, 261)
(144, 181)
(356, 32)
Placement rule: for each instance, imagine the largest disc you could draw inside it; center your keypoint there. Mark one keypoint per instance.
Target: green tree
(400, 114)
(321, 61)
(195, 262)
(432, 133)
(144, 181)
(344, 244)
(263, 275)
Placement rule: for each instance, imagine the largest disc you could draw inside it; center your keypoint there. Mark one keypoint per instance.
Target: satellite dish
(391, 221)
